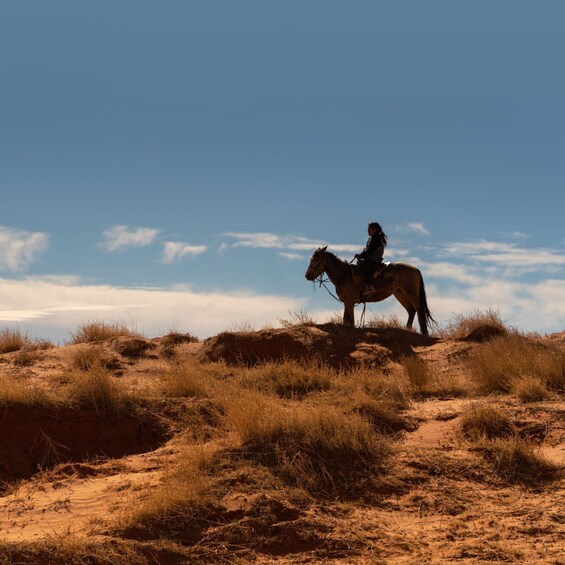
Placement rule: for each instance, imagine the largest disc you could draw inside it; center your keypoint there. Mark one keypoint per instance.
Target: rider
(371, 258)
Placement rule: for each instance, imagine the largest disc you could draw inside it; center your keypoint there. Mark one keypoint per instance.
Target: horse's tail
(425, 317)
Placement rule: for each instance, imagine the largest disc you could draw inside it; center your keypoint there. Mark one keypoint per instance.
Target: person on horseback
(371, 258)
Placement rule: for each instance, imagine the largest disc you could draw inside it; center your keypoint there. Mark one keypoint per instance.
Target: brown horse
(405, 282)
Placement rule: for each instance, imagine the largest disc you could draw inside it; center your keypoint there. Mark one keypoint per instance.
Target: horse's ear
(325, 248)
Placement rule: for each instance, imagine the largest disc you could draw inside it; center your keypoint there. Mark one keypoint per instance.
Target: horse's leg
(402, 297)
(349, 314)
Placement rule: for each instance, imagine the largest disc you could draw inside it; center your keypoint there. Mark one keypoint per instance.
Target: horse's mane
(336, 257)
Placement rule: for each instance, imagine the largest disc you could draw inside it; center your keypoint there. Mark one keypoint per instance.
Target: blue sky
(175, 164)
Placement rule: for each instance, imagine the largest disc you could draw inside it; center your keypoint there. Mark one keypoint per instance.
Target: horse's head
(317, 264)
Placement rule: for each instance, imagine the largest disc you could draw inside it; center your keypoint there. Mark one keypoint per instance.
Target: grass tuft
(518, 461)
(483, 421)
(461, 326)
(495, 366)
(96, 388)
(99, 331)
(183, 379)
(12, 339)
(318, 447)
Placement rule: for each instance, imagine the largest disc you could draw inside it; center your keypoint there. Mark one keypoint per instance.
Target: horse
(405, 282)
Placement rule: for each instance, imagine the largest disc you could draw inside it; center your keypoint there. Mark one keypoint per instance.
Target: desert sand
(92, 437)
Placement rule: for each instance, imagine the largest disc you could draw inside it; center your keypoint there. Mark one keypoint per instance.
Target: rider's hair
(376, 226)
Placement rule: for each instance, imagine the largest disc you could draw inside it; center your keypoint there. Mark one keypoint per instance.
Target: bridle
(322, 282)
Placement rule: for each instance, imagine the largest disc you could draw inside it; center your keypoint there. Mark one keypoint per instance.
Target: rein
(322, 282)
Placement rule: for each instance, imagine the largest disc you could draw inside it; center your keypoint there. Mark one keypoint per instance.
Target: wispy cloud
(122, 237)
(176, 250)
(506, 254)
(55, 308)
(19, 248)
(267, 240)
(414, 227)
(292, 256)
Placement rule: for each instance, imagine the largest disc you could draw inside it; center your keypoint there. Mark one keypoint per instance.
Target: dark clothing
(374, 249)
(371, 257)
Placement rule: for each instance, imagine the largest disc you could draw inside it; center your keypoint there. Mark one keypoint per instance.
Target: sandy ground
(451, 508)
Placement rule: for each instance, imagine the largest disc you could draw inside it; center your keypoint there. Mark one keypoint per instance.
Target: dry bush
(484, 421)
(384, 321)
(241, 327)
(495, 366)
(383, 415)
(97, 389)
(297, 318)
(316, 447)
(70, 549)
(425, 380)
(14, 392)
(13, 339)
(530, 389)
(184, 379)
(518, 461)
(289, 378)
(391, 388)
(98, 331)
(26, 357)
(182, 504)
(461, 326)
(85, 358)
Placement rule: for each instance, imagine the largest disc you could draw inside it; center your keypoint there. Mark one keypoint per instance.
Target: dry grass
(184, 379)
(70, 549)
(389, 388)
(13, 339)
(530, 389)
(183, 503)
(383, 415)
(26, 357)
(497, 365)
(86, 357)
(518, 461)
(425, 380)
(99, 331)
(482, 421)
(97, 389)
(13, 392)
(289, 378)
(384, 321)
(461, 326)
(316, 447)
(297, 318)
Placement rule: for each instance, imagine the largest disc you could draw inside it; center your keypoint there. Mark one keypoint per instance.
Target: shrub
(297, 318)
(182, 380)
(289, 378)
(184, 502)
(99, 331)
(495, 366)
(316, 447)
(383, 321)
(518, 461)
(13, 340)
(483, 421)
(97, 389)
(530, 389)
(14, 392)
(461, 326)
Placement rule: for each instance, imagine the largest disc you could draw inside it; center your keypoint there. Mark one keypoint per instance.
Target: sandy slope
(440, 504)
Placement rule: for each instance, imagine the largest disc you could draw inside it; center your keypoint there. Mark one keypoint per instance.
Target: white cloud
(415, 227)
(19, 248)
(176, 250)
(265, 240)
(507, 254)
(54, 310)
(122, 237)
(292, 256)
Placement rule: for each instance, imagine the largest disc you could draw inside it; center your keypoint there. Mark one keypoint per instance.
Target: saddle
(385, 270)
